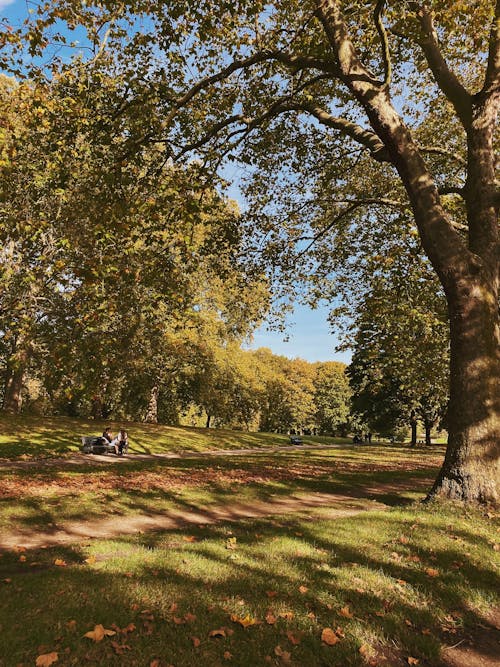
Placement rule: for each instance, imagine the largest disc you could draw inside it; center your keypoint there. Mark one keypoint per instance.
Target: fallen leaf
(408, 622)
(60, 562)
(231, 543)
(329, 637)
(46, 660)
(270, 618)
(99, 632)
(196, 641)
(413, 661)
(303, 589)
(120, 649)
(431, 572)
(271, 594)
(284, 655)
(90, 560)
(154, 663)
(22, 559)
(294, 637)
(71, 625)
(403, 539)
(246, 621)
(217, 633)
(190, 538)
(7, 580)
(20, 549)
(346, 612)
(364, 649)
(178, 621)
(227, 655)
(189, 617)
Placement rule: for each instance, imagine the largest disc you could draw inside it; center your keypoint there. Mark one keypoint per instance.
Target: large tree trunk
(471, 468)
(16, 369)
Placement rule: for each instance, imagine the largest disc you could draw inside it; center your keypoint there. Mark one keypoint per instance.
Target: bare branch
(386, 54)
(445, 78)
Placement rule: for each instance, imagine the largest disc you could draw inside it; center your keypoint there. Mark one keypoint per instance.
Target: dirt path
(114, 526)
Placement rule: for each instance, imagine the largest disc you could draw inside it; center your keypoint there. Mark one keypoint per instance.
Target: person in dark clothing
(121, 441)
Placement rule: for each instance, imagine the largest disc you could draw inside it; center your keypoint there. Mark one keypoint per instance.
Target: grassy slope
(56, 436)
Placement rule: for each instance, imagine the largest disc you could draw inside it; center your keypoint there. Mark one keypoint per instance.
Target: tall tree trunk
(428, 426)
(16, 369)
(471, 468)
(152, 410)
(209, 417)
(413, 423)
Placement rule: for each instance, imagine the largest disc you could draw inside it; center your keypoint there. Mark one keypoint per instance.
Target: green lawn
(396, 583)
(59, 436)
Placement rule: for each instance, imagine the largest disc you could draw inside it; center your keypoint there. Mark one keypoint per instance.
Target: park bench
(95, 445)
(98, 445)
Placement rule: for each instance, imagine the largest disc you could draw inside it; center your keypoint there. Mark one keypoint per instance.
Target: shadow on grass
(172, 589)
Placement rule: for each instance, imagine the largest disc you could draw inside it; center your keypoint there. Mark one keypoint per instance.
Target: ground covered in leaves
(390, 583)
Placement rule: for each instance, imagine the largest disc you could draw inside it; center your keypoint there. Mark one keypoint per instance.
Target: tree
(332, 398)
(399, 370)
(308, 82)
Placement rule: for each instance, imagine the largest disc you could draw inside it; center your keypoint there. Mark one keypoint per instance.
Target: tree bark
(209, 417)
(413, 423)
(428, 426)
(16, 369)
(467, 268)
(471, 468)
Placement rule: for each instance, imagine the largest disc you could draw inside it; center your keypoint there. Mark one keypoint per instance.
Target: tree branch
(491, 80)
(386, 54)
(434, 150)
(295, 63)
(354, 204)
(445, 78)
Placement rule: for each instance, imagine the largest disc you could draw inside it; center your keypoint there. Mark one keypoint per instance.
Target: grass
(399, 580)
(392, 585)
(26, 436)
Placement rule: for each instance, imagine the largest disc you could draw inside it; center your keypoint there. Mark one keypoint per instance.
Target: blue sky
(308, 331)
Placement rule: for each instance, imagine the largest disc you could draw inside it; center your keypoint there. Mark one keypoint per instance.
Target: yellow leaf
(431, 572)
(329, 637)
(99, 632)
(46, 660)
(22, 559)
(60, 562)
(90, 560)
(413, 661)
(189, 538)
(346, 612)
(303, 589)
(246, 621)
(286, 614)
(364, 649)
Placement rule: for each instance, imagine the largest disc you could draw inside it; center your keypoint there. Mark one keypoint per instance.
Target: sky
(308, 331)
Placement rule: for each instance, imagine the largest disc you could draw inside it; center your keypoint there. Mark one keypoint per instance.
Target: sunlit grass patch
(399, 583)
